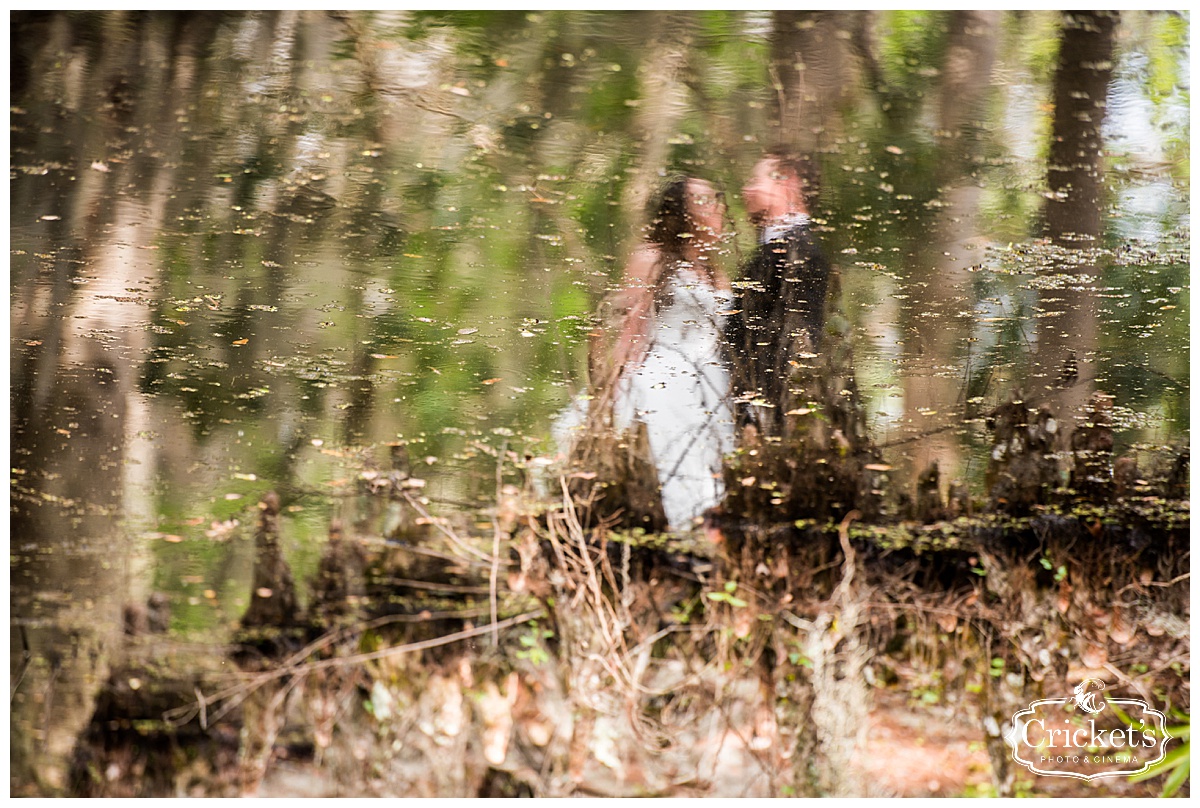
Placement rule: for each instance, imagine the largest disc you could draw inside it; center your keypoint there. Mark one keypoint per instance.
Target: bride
(668, 372)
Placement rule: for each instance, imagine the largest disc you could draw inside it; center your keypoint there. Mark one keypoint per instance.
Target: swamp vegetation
(295, 298)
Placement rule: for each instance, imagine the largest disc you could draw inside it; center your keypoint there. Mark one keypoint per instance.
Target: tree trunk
(1064, 371)
(811, 70)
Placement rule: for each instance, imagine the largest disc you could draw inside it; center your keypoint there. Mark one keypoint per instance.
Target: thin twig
(450, 535)
(238, 693)
(492, 599)
(1138, 584)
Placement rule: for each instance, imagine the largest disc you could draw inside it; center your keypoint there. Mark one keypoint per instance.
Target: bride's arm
(720, 279)
(637, 298)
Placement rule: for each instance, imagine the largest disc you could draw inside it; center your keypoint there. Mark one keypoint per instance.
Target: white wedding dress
(681, 392)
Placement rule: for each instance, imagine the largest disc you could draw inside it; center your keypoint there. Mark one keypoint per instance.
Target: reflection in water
(666, 370)
(249, 248)
(681, 392)
(1065, 372)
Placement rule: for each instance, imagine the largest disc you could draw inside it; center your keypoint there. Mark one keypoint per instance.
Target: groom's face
(768, 193)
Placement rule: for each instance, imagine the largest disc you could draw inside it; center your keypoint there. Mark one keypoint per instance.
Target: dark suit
(782, 315)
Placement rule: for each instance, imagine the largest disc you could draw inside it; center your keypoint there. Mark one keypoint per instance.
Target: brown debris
(1091, 448)
(1023, 469)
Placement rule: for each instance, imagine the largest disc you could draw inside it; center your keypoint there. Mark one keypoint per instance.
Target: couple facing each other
(689, 349)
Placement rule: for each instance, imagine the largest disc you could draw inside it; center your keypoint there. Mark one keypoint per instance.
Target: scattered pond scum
(343, 269)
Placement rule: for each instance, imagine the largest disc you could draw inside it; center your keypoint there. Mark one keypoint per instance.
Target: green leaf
(1179, 755)
(1177, 778)
(797, 658)
(1125, 719)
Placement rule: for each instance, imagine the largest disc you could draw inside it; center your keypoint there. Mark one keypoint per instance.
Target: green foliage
(1176, 763)
(1036, 36)
(911, 48)
(728, 596)
(1059, 574)
(1169, 38)
(533, 644)
(607, 106)
(799, 659)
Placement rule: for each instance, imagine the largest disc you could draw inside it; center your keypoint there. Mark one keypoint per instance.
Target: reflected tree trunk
(1080, 96)
(82, 436)
(1064, 369)
(812, 70)
(937, 325)
(663, 102)
(966, 71)
(937, 320)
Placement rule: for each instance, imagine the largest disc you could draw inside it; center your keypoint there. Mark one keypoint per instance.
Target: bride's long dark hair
(669, 219)
(670, 228)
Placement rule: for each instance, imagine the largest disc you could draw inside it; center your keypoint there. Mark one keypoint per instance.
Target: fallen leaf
(1094, 656)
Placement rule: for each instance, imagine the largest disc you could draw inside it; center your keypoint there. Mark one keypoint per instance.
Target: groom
(781, 313)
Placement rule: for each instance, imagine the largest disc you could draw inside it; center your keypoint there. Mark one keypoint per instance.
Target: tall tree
(1075, 172)
(939, 278)
(1068, 333)
(811, 70)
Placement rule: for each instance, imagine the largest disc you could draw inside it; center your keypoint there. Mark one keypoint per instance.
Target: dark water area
(258, 251)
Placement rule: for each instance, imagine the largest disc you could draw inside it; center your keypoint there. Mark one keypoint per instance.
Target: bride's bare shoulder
(643, 264)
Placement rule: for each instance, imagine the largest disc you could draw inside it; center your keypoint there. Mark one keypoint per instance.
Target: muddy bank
(581, 661)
